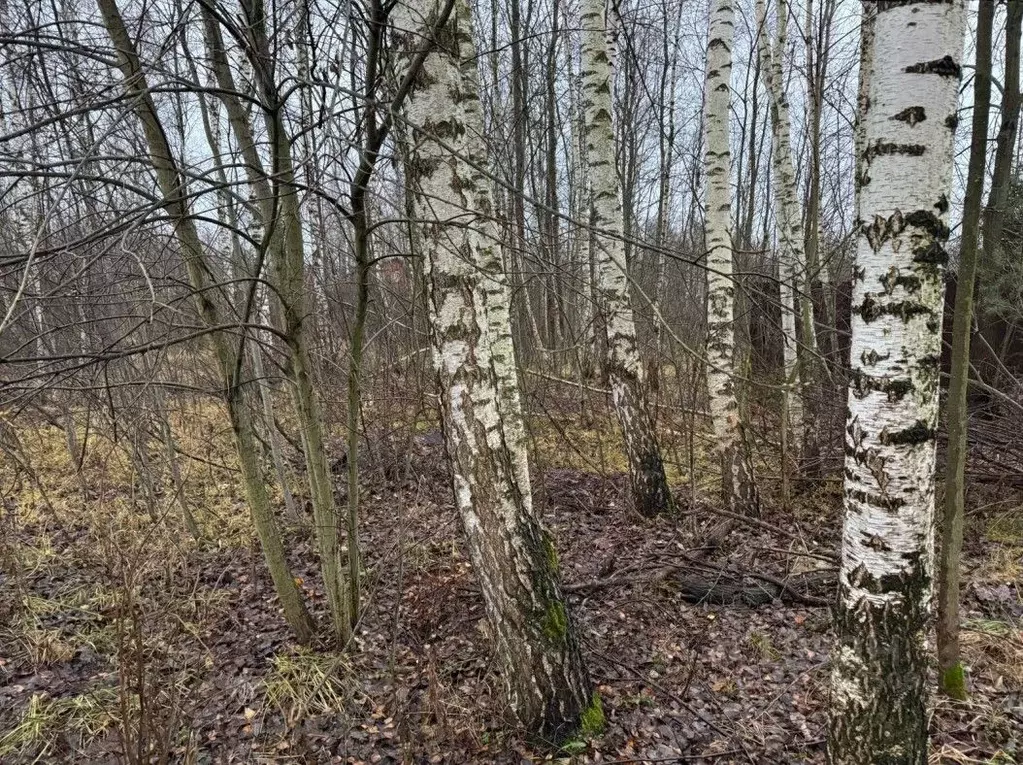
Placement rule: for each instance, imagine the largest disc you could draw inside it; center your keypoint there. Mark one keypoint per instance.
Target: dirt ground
(123, 642)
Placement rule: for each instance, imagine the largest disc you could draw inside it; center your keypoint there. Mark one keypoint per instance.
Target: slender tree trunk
(171, 455)
(555, 307)
(625, 369)
(666, 154)
(738, 488)
(241, 271)
(170, 185)
(994, 212)
(816, 273)
(512, 554)
(790, 234)
(291, 510)
(802, 363)
(880, 667)
(1005, 149)
(868, 18)
(951, 679)
(282, 227)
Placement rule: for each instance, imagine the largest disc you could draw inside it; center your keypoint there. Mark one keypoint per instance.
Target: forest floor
(122, 639)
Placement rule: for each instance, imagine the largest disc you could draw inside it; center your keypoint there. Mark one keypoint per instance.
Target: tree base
(953, 682)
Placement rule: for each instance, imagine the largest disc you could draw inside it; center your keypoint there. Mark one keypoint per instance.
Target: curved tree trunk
(280, 218)
(738, 489)
(512, 554)
(169, 181)
(879, 676)
(650, 491)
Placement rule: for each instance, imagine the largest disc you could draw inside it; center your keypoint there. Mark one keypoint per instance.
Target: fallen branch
(726, 587)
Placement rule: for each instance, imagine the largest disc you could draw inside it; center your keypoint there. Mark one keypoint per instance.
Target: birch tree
(650, 491)
(512, 554)
(738, 488)
(879, 675)
(791, 261)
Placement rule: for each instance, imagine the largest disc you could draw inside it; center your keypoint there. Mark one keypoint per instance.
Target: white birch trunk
(512, 554)
(738, 490)
(625, 370)
(791, 260)
(867, 19)
(880, 668)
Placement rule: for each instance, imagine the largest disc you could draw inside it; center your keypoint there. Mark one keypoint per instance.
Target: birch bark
(513, 556)
(650, 491)
(738, 488)
(789, 222)
(880, 667)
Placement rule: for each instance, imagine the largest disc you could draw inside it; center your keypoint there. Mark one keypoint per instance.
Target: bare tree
(228, 358)
(650, 491)
(879, 677)
(738, 488)
(512, 554)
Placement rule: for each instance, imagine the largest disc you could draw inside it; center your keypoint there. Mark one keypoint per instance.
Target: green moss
(953, 682)
(551, 550)
(555, 623)
(591, 721)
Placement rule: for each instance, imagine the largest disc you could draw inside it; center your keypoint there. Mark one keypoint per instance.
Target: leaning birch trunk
(650, 492)
(169, 181)
(512, 554)
(738, 488)
(880, 666)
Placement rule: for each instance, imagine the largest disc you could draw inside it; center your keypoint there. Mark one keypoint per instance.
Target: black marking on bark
(952, 121)
(917, 433)
(871, 357)
(881, 230)
(875, 542)
(898, 389)
(871, 309)
(881, 149)
(928, 371)
(929, 222)
(422, 167)
(911, 115)
(932, 254)
(943, 67)
(445, 129)
(892, 504)
(908, 282)
(895, 390)
(887, 5)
